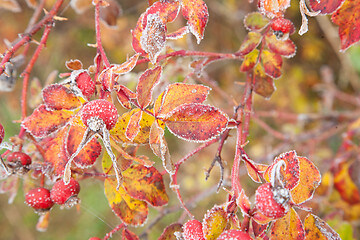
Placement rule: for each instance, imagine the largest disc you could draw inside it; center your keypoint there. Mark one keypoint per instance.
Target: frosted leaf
(153, 37)
(305, 11)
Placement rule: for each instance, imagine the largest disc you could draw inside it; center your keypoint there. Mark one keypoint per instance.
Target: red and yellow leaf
(284, 48)
(59, 97)
(255, 21)
(147, 82)
(310, 179)
(167, 10)
(168, 233)
(124, 96)
(250, 61)
(133, 128)
(348, 190)
(136, 35)
(196, 14)
(214, 223)
(119, 130)
(288, 227)
(127, 66)
(177, 94)
(325, 6)
(91, 151)
(43, 122)
(272, 63)
(258, 229)
(55, 151)
(251, 41)
(264, 85)
(131, 211)
(253, 170)
(290, 173)
(159, 146)
(261, 218)
(196, 122)
(316, 228)
(145, 183)
(347, 17)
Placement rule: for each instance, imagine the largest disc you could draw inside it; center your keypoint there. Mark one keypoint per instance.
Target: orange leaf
(147, 81)
(255, 21)
(159, 146)
(310, 179)
(250, 42)
(58, 97)
(127, 66)
(136, 35)
(214, 223)
(243, 202)
(348, 19)
(74, 64)
(272, 63)
(88, 155)
(196, 14)
(42, 122)
(145, 183)
(168, 233)
(253, 170)
(196, 122)
(133, 128)
(55, 153)
(124, 95)
(131, 211)
(344, 184)
(264, 85)
(177, 94)
(291, 175)
(284, 48)
(316, 228)
(288, 227)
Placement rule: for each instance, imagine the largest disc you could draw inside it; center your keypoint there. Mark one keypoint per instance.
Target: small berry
(2, 133)
(85, 84)
(234, 235)
(65, 194)
(192, 230)
(39, 199)
(281, 26)
(19, 158)
(97, 110)
(272, 202)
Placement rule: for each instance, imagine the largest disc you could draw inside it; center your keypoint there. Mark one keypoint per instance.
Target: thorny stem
(26, 37)
(99, 46)
(116, 229)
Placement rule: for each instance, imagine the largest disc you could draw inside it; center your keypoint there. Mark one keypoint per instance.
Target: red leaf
(59, 97)
(348, 19)
(272, 63)
(145, 183)
(127, 66)
(288, 227)
(153, 37)
(88, 155)
(325, 6)
(178, 33)
(177, 94)
(124, 95)
(167, 11)
(196, 122)
(196, 14)
(128, 235)
(243, 202)
(147, 81)
(284, 48)
(43, 122)
(133, 127)
(136, 35)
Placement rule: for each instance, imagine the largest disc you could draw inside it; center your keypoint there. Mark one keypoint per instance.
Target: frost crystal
(153, 37)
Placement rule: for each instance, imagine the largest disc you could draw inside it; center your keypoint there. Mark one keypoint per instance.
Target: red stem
(26, 37)
(117, 228)
(235, 183)
(99, 46)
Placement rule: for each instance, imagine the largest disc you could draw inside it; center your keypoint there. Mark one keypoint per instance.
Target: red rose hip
(65, 194)
(282, 26)
(272, 202)
(99, 109)
(234, 234)
(192, 230)
(19, 158)
(39, 199)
